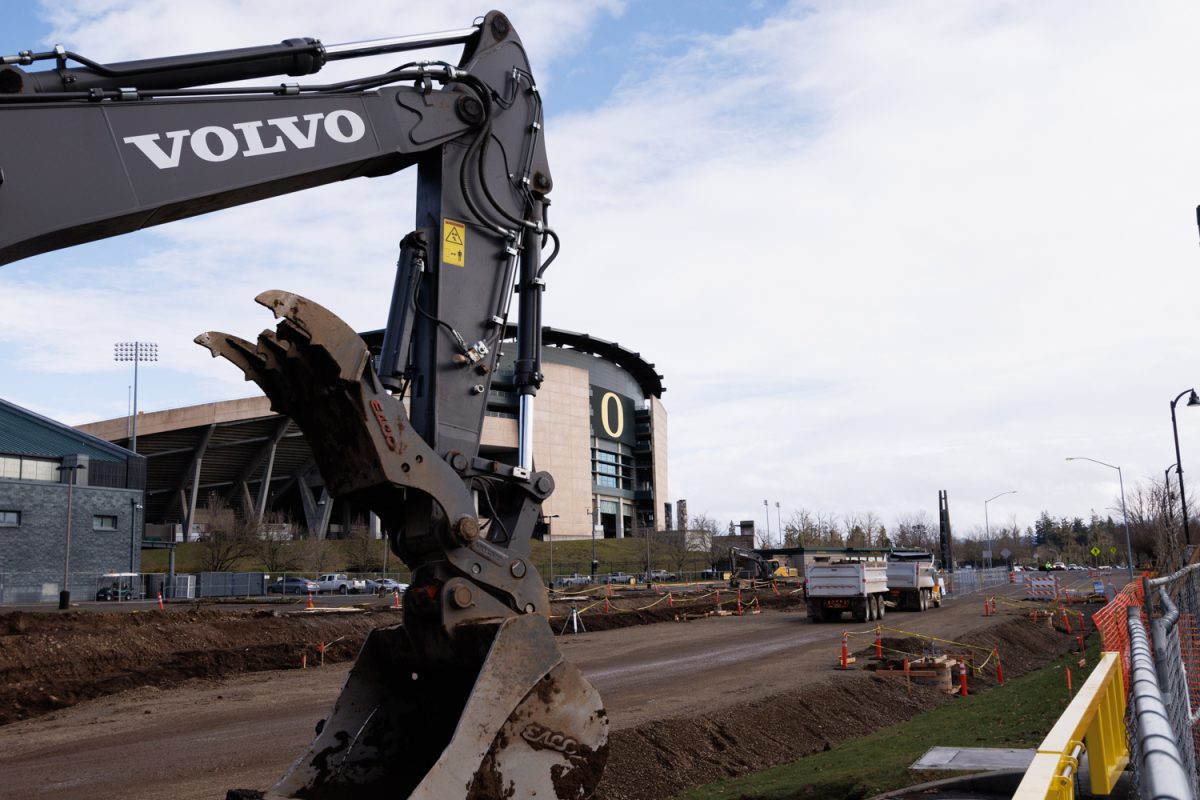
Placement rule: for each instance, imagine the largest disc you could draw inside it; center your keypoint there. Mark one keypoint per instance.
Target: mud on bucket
(504, 717)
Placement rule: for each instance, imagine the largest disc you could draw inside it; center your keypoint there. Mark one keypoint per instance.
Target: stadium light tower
(135, 352)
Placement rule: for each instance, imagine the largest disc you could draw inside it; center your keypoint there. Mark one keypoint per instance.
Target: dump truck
(912, 580)
(859, 586)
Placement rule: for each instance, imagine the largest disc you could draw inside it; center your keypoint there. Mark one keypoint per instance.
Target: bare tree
(701, 530)
(363, 553)
(277, 546)
(316, 555)
(915, 530)
(228, 538)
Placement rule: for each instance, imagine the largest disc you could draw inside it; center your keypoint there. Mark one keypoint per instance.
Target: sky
(876, 249)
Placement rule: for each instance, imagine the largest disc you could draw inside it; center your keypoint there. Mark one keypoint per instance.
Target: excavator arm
(470, 696)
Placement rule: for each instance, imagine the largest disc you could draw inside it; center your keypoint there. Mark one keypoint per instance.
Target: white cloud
(877, 250)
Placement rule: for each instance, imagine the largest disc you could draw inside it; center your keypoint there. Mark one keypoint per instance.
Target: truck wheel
(343, 589)
(922, 602)
(881, 607)
(861, 610)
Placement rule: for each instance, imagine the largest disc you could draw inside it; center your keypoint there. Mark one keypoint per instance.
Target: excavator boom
(470, 696)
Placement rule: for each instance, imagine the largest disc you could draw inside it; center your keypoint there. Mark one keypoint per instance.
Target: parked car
(293, 584)
(1058, 565)
(617, 577)
(385, 586)
(114, 593)
(658, 576)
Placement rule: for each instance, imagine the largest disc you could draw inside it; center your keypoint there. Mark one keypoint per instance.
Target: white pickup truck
(341, 583)
(855, 586)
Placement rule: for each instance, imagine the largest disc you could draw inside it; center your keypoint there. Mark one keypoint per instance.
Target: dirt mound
(51, 661)
(660, 759)
(626, 609)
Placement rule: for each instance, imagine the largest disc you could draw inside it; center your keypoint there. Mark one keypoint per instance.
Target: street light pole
(1124, 514)
(593, 512)
(135, 352)
(779, 520)
(767, 511)
(134, 507)
(1193, 400)
(987, 529)
(550, 539)
(1167, 499)
(64, 594)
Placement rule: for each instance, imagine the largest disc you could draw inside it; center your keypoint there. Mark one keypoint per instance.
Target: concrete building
(38, 458)
(600, 429)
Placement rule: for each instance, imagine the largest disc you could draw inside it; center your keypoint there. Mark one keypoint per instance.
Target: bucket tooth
(308, 324)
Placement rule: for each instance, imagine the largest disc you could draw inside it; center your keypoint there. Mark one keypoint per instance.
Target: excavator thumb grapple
(470, 697)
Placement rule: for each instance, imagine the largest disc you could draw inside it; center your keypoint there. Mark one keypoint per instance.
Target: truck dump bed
(851, 579)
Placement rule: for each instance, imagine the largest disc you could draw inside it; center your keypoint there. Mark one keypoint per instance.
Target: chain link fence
(1152, 623)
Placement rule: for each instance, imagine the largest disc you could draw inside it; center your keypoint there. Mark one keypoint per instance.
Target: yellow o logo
(615, 434)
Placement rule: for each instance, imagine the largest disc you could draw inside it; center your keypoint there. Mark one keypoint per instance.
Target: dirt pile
(51, 661)
(625, 609)
(660, 759)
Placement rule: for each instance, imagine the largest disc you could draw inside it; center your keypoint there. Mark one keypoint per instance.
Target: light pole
(550, 539)
(767, 511)
(1124, 515)
(987, 528)
(64, 594)
(135, 352)
(779, 520)
(1193, 400)
(592, 512)
(1167, 499)
(134, 507)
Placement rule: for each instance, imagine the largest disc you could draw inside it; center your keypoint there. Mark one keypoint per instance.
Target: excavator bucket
(503, 716)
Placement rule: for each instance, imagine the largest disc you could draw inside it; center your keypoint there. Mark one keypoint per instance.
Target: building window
(10, 519)
(612, 470)
(28, 469)
(104, 522)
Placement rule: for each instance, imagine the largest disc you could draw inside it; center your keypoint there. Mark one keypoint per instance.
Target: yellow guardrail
(1095, 719)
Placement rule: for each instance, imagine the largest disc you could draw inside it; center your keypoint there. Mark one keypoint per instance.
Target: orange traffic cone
(310, 601)
(396, 601)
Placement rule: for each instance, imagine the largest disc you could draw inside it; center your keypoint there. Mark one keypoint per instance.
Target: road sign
(1005, 553)
(1095, 550)
(1112, 550)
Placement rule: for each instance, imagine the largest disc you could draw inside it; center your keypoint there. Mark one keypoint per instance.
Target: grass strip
(1017, 714)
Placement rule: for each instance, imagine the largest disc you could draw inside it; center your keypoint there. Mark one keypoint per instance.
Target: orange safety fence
(1112, 622)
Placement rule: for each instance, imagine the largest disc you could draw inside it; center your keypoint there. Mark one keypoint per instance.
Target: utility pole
(64, 594)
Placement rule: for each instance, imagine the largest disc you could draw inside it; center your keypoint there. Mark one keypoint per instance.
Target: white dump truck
(912, 580)
(859, 586)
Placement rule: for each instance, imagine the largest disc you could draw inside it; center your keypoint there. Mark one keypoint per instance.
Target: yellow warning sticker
(454, 243)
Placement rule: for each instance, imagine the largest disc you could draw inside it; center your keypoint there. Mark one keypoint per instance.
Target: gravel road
(194, 742)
